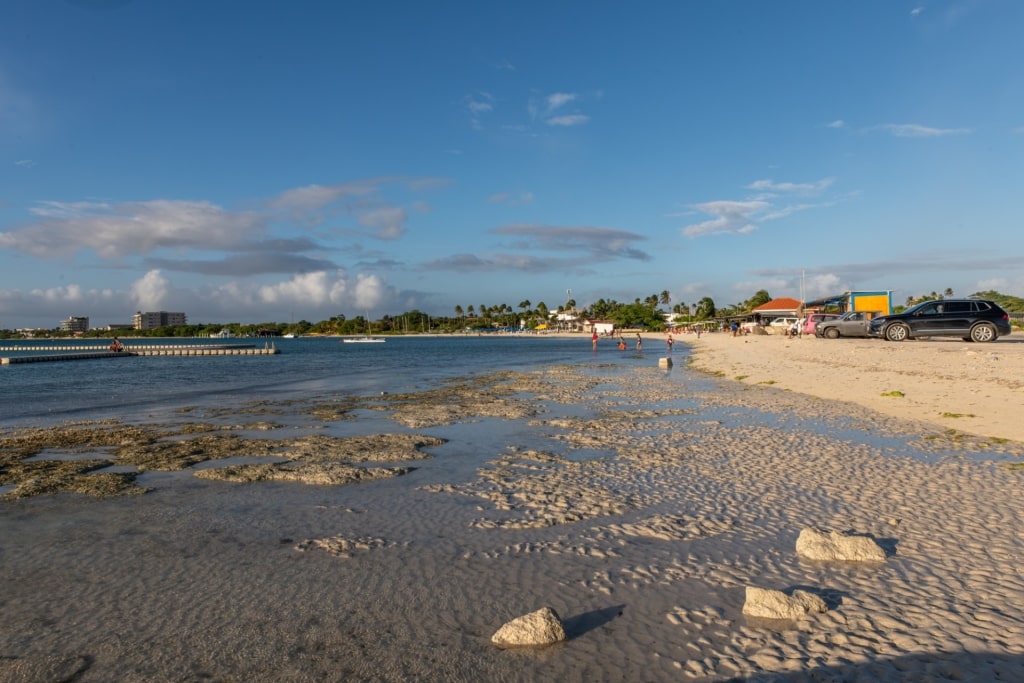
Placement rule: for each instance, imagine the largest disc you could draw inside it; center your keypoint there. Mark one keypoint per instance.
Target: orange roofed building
(781, 307)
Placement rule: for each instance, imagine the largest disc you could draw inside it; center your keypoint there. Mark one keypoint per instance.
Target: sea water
(41, 394)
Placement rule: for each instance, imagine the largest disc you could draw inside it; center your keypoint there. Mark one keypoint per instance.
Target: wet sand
(637, 503)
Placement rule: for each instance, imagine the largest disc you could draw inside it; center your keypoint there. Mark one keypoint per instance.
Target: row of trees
(649, 313)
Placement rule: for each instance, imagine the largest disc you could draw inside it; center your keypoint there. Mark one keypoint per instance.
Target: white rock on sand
(542, 627)
(815, 544)
(767, 603)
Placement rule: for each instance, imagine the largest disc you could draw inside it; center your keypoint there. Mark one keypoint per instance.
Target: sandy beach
(974, 388)
(639, 504)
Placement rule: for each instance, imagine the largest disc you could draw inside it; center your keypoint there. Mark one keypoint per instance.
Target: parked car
(971, 319)
(851, 324)
(780, 325)
(812, 321)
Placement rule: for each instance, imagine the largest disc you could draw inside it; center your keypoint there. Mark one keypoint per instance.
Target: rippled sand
(638, 504)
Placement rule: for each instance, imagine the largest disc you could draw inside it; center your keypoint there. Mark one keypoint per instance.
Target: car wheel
(832, 333)
(897, 332)
(983, 333)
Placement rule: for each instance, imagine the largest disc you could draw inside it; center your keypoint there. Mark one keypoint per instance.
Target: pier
(93, 352)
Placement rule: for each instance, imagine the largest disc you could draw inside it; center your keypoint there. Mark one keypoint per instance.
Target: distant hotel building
(75, 324)
(152, 320)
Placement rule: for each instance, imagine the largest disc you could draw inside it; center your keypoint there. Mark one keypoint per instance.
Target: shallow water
(205, 580)
(86, 389)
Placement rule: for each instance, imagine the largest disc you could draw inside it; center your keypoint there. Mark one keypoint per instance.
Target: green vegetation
(1011, 304)
(646, 314)
(957, 415)
(894, 394)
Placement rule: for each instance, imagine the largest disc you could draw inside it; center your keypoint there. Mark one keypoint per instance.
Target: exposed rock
(542, 627)
(323, 474)
(815, 544)
(772, 604)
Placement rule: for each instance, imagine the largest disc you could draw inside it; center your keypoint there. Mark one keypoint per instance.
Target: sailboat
(365, 338)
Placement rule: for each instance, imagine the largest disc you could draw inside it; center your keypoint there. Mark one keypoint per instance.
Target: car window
(980, 306)
(930, 309)
(958, 307)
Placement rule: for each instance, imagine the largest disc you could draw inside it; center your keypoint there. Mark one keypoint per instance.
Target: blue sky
(273, 161)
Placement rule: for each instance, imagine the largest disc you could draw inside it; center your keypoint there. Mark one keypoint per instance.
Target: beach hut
(783, 307)
(880, 301)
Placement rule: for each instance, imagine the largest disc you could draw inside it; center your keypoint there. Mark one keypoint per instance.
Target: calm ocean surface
(46, 393)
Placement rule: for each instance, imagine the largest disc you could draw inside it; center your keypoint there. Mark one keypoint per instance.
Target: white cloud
(798, 188)
(315, 197)
(568, 120)
(558, 100)
(784, 211)
(480, 103)
(743, 217)
(311, 288)
(25, 163)
(113, 231)
(316, 296)
(326, 291)
(150, 292)
(387, 223)
(823, 284)
(917, 10)
(730, 217)
(548, 108)
(915, 130)
(838, 123)
(370, 291)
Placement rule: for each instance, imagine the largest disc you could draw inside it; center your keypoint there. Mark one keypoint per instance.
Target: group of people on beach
(621, 344)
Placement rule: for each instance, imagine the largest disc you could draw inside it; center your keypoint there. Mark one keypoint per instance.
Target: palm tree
(666, 298)
(542, 311)
(948, 292)
(706, 308)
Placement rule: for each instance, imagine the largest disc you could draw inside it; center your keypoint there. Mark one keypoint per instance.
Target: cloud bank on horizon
(255, 177)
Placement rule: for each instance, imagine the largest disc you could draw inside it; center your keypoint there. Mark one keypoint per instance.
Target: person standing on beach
(594, 340)
(669, 343)
(639, 341)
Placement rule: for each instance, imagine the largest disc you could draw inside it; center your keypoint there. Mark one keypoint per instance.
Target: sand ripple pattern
(638, 504)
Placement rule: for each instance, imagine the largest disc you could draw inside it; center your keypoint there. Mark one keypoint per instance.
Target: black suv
(971, 319)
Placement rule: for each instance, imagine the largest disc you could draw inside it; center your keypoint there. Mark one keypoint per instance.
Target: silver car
(852, 324)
